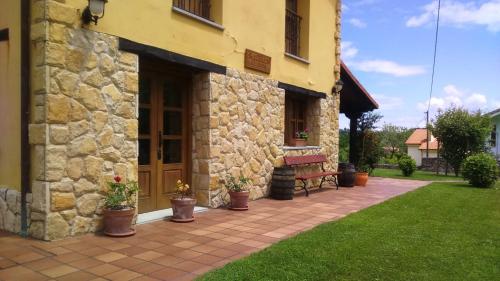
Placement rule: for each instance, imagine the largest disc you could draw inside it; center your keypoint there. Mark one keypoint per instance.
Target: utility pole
(427, 130)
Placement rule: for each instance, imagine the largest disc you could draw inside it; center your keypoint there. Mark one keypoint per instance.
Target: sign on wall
(257, 61)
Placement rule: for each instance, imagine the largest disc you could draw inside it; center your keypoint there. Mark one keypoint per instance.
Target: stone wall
(431, 164)
(247, 119)
(84, 121)
(10, 209)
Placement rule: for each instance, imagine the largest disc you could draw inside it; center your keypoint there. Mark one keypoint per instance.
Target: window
(292, 28)
(297, 28)
(200, 8)
(295, 116)
(493, 138)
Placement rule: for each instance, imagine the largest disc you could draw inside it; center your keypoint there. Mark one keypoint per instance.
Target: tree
(394, 137)
(343, 145)
(460, 134)
(368, 149)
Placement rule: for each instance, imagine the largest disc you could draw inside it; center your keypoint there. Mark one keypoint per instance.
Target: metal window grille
(200, 8)
(292, 32)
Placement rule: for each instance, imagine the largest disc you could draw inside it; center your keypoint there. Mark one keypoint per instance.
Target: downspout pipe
(25, 111)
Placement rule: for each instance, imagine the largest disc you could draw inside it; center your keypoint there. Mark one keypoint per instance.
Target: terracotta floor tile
(219, 243)
(58, 271)
(127, 262)
(149, 255)
(233, 239)
(103, 269)
(69, 257)
(168, 260)
(132, 251)
(77, 276)
(6, 263)
(110, 257)
(27, 257)
(146, 268)
(122, 275)
(186, 244)
(204, 248)
(223, 253)
(17, 273)
(42, 264)
(168, 274)
(116, 246)
(207, 259)
(189, 266)
(94, 251)
(85, 263)
(187, 254)
(145, 278)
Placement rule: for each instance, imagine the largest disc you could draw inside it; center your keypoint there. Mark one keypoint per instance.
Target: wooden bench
(308, 160)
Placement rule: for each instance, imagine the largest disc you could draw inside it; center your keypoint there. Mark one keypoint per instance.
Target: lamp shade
(97, 7)
(339, 85)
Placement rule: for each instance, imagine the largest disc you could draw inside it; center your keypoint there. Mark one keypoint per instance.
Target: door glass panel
(144, 121)
(172, 122)
(144, 152)
(144, 90)
(172, 96)
(172, 151)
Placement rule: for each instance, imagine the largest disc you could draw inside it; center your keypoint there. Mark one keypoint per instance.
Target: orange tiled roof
(433, 145)
(418, 137)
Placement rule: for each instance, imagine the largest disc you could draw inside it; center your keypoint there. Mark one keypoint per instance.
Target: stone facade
(84, 126)
(84, 121)
(238, 129)
(10, 209)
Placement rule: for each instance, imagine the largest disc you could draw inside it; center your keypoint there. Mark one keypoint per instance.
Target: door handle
(160, 144)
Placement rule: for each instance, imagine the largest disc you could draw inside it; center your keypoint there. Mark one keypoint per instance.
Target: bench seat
(316, 175)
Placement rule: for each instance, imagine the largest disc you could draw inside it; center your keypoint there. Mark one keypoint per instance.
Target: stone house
(156, 91)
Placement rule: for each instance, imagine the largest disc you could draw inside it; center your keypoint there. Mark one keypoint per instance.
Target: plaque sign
(257, 61)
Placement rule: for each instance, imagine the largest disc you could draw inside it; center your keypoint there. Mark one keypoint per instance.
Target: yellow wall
(10, 93)
(258, 25)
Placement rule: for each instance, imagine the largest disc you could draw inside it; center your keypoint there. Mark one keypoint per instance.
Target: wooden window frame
(294, 108)
(200, 8)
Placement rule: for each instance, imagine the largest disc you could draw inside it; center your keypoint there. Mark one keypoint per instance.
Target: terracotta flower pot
(118, 223)
(183, 209)
(361, 178)
(239, 200)
(299, 142)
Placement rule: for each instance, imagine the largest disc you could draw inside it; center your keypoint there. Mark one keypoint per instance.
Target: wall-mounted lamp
(338, 86)
(94, 11)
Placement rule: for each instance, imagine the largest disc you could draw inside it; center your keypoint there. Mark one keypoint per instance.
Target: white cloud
(345, 8)
(357, 23)
(347, 50)
(460, 14)
(388, 67)
(454, 97)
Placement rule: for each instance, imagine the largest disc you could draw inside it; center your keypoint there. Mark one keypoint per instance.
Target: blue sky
(389, 46)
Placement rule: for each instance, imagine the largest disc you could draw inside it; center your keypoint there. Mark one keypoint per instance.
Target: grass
(444, 231)
(418, 175)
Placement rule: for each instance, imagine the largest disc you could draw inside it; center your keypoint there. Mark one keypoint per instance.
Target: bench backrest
(304, 160)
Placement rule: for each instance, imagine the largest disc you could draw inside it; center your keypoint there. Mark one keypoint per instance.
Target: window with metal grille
(292, 28)
(295, 116)
(200, 8)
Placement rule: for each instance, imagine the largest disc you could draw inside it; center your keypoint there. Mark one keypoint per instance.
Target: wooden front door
(163, 138)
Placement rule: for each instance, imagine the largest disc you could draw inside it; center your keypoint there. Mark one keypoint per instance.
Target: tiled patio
(164, 250)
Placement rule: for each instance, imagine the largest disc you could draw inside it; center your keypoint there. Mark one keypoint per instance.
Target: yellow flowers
(183, 189)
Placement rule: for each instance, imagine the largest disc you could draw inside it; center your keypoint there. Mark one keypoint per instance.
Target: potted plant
(183, 203)
(362, 175)
(237, 189)
(301, 138)
(119, 208)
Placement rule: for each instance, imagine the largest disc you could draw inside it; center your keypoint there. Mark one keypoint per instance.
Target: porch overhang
(354, 98)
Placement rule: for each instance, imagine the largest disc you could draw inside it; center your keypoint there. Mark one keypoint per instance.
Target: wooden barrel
(283, 183)
(348, 175)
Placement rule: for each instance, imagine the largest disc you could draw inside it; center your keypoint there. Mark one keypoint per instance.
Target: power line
(432, 76)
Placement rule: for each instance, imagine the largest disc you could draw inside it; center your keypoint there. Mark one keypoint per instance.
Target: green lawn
(418, 175)
(444, 231)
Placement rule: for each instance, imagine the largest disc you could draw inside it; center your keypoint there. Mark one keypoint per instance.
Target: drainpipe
(25, 110)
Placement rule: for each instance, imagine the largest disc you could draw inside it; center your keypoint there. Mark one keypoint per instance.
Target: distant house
(417, 145)
(495, 134)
